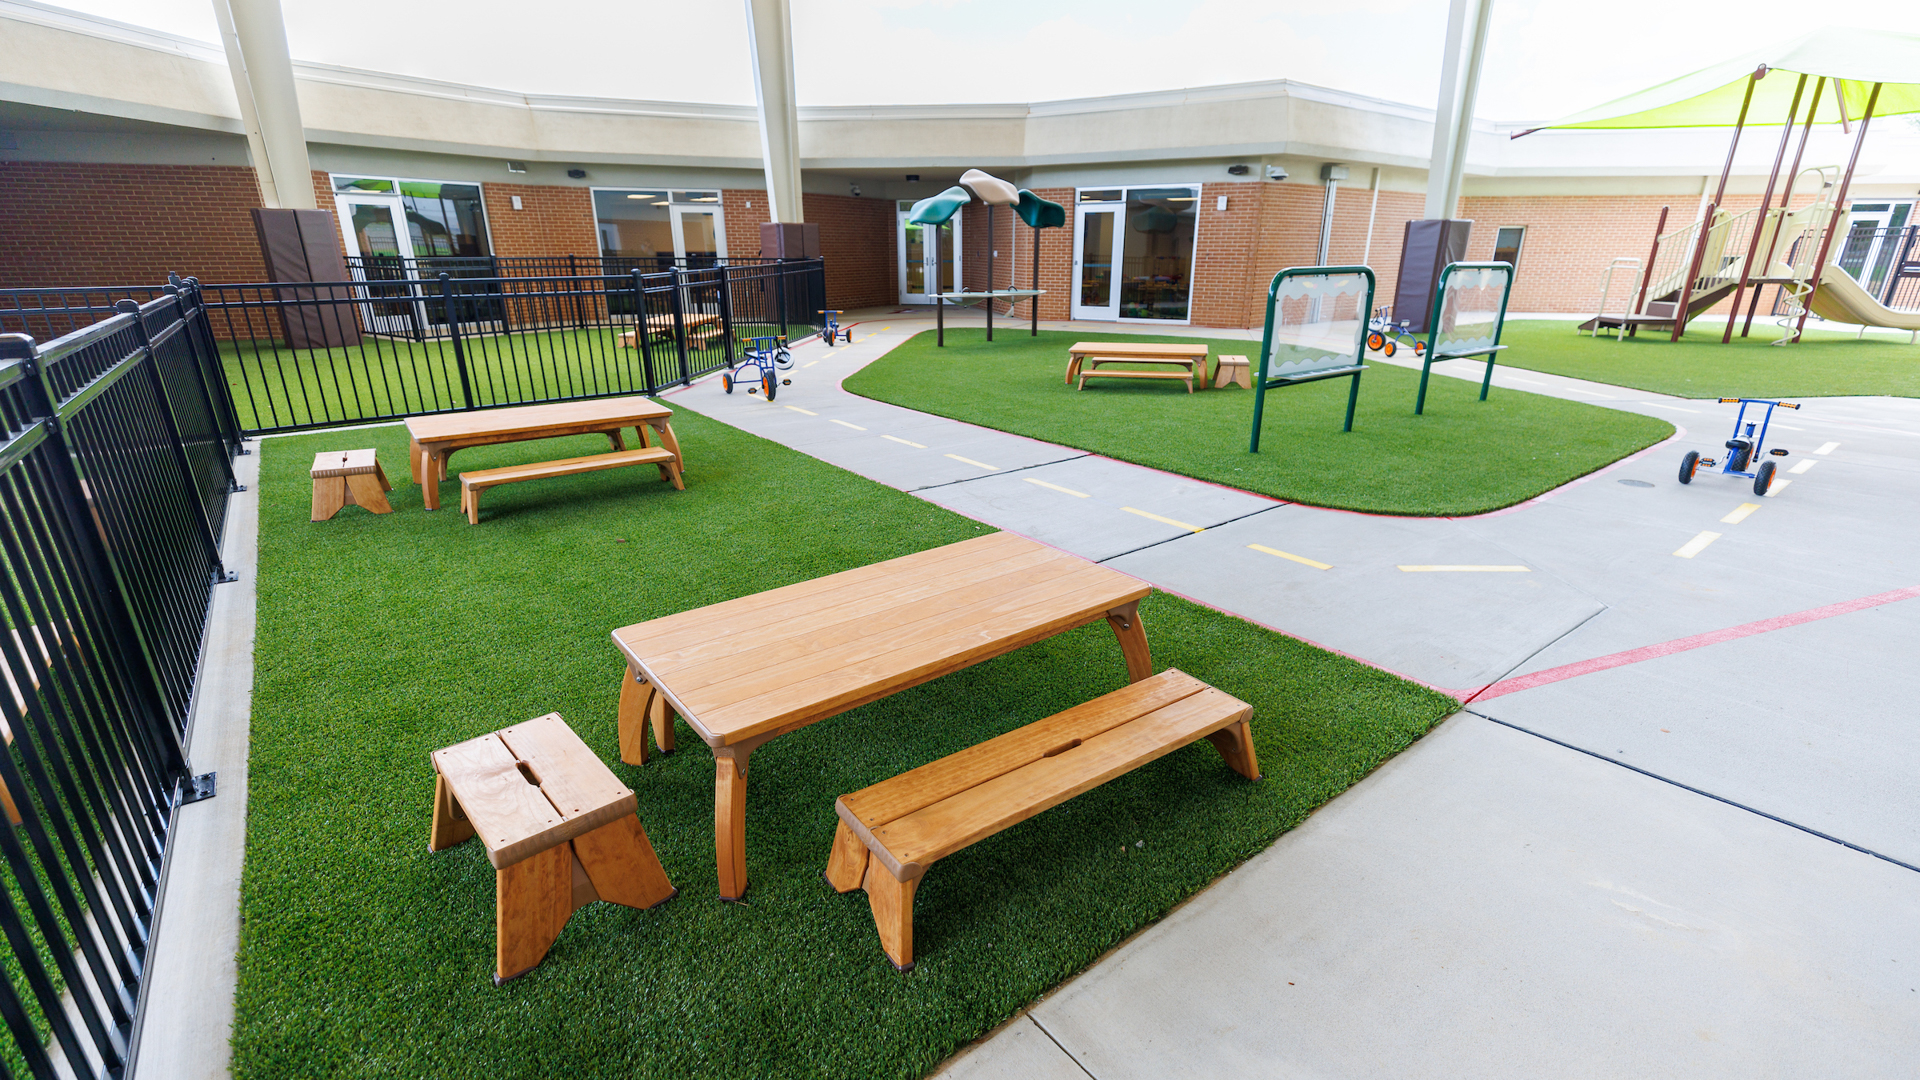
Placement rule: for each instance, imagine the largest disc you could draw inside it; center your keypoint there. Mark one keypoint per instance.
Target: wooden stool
(348, 478)
(1232, 369)
(559, 828)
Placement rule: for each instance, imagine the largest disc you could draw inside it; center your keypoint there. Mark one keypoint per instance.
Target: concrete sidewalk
(1610, 864)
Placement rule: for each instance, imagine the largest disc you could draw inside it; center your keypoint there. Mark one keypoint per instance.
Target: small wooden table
(348, 478)
(748, 670)
(436, 437)
(662, 326)
(1092, 354)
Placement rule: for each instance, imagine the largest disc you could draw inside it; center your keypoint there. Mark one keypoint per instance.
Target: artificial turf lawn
(1824, 364)
(383, 638)
(1463, 456)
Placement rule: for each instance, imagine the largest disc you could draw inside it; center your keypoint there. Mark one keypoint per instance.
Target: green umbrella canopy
(1852, 60)
(939, 209)
(1039, 212)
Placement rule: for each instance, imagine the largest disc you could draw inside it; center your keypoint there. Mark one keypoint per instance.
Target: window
(442, 219)
(649, 228)
(1506, 245)
(1134, 252)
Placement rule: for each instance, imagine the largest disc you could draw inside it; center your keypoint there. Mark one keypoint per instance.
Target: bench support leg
(730, 822)
(668, 441)
(1353, 398)
(633, 724)
(533, 899)
(1235, 744)
(847, 866)
(365, 490)
(329, 495)
(660, 715)
(618, 441)
(450, 824)
(1127, 626)
(620, 863)
(892, 904)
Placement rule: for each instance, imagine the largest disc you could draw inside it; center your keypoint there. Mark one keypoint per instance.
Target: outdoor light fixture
(577, 174)
(517, 166)
(1275, 172)
(1237, 170)
(855, 188)
(913, 178)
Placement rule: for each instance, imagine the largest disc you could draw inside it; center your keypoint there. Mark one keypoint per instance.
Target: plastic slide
(1841, 299)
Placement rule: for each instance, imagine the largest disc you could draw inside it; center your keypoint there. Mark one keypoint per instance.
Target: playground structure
(1037, 212)
(1723, 253)
(1469, 313)
(1316, 329)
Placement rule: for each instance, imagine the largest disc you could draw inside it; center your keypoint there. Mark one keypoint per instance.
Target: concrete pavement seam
(1697, 791)
(1183, 536)
(1043, 1030)
(1604, 607)
(1001, 472)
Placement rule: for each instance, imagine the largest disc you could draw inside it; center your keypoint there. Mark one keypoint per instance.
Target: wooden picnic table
(662, 325)
(436, 437)
(748, 670)
(1092, 354)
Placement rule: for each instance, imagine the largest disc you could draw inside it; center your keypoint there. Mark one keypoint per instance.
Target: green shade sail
(1851, 59)
(939, 209)
(1038, 212)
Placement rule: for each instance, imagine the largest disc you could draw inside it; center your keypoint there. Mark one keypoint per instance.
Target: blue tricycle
(767, 356)
(1384, 334)
(832, 331)
(1744, 448)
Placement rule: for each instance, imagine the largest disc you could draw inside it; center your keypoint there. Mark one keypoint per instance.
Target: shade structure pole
(1766, 208)
(1034, 302)
(1713, 208)
(254, 33)
(1786, 199)
(1839, 205)
(1453, 116)
(993, 239)
(770, 41)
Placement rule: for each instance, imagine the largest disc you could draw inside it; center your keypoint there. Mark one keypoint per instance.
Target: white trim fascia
(56, 18)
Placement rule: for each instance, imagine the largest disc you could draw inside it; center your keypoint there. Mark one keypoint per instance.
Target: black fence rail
(390, 267)
(114, 480)
(299, 356)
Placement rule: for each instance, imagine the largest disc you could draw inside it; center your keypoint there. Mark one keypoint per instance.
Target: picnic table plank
(748, 670)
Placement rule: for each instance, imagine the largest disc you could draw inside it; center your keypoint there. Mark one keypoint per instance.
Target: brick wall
(857, 240)
(552, 220)
(89, 224)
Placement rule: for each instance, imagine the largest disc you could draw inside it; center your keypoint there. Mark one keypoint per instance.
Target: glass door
(1096, 244)
(698, 237)
(376, 238)
(929, 256)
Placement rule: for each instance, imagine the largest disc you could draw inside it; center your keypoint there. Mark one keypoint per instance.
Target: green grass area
(1825, 364)
(383, 638)
(274, 387)
(1462, 457)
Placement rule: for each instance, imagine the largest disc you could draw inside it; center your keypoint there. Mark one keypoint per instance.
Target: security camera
(1275, 172)
(856, 190)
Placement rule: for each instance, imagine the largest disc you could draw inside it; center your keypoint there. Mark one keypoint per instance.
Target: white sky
(1545, 58)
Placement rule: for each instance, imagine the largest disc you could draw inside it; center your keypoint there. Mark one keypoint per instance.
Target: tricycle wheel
(1419, 348)
(1688, 464)
(1387, 348)
(1763, 478)
(769, 382)
(1375, 340)
(726, 381)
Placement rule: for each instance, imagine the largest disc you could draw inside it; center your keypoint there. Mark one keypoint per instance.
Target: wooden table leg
(634, 692)
(432, 470)
(413, 459)
(669, 442)
(1132, 633)
(730, 821)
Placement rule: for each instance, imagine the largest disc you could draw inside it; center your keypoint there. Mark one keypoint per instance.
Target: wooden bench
(1090, 369)
(890, 833)
(1190, 355)
(348, 478)
(473, 483)
(559, 829)
(1233, 369)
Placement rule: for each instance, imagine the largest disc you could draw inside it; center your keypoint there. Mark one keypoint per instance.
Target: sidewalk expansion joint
(1183, 536)
(1076, 1061)
(1527, 659)
(1697, 791)
(994, 475)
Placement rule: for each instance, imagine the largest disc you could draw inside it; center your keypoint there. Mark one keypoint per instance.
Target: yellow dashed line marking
(1697, 545)
(976, 464)
(1164, 520)
(1739, 514)
(903, 442)
(1828, 448)
(808, 364)
(1316, 564)
(798, 409)
(1057, 487)
(882, 328)
(843, 423)
(1803, 466)
(1468, 569)
(1777, 488)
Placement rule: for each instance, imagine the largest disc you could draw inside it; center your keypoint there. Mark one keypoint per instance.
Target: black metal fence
(115, 470)
(297, 356)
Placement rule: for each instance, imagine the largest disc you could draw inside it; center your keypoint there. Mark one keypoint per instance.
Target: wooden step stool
(559, 828)
(1233, 369)
(890, 833)
(348, 478)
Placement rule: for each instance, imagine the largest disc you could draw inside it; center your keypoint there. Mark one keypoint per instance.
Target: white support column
(255, 36)
(1467, 21)
(770, 36)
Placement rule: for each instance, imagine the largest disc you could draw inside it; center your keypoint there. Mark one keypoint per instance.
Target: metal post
(221, 574)
(939, 319)
(206, 393)
(779, 294)
(1706, 225)
(1766, 209)
(453, 326)
(679, 325)
(992, 237)
(1693, 272)
(1646, 276)
(1839, 203)
(726, 310)
(641, 331)
(1786, 199)
(1034, 303)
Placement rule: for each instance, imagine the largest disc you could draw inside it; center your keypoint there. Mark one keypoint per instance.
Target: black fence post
(680, 326)
(203, 331)
(206, 392)
(220, 572)
(641, 331)
(780, 293)
(453, 327)
(726, 310)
